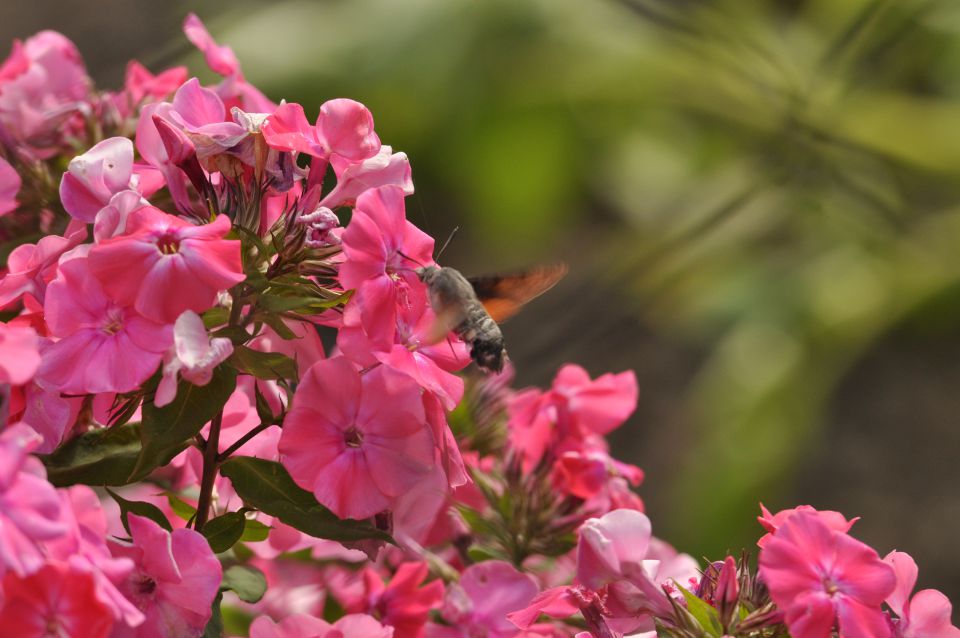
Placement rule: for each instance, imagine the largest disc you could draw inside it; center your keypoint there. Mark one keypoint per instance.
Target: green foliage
(246, 581)
(266, 486)
(263, 365)
(224, 531)
(140, 508)
(166, 431)
(105, 456)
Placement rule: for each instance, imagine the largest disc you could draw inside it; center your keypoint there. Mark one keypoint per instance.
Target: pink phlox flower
(386, 168)
(588, 473)
(194, 356)
(140, 85)
(382, 250)
(93, 179)
(403, 603)
(103, 346)
(84, 547)
(572, 411)
(164, 266)
(303, 626)
(49, 413)
(29, 506)
(42, 85)
(200, 113)
(57, 600)
(481, 602)
(557, 602)
(821, 577)
(344, 127)
(19, 354)
(356, 441)
(174, 582)
(10, 183)
(925, 615)
(321, 222)
(30, 267)
(771, 522)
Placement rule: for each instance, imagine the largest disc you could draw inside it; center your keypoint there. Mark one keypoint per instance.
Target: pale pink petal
(9, 187)
(220, 59)
(905, 569)
(345, 127)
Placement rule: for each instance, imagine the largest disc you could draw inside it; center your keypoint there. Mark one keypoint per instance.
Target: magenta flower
(92, 179)
(771, 522)
(382, 250)
(356, 441)
(30, 267)
(404, 603)
(174, 582)
(58, 600)
(29, 505)
(220, 59)
(344, 127)
(42, 85)
(304, 626)
(103, 346)
(19, 357)
(10, 183)
(479, 604)
(386, 168)
(573, 410)
(927, 613)
(164, 265)
(821, 577)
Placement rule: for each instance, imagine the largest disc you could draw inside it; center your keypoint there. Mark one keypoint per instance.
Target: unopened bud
(178, 146)
(728, 591)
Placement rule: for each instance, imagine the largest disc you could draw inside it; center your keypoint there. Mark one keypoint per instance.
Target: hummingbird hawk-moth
(471, 307)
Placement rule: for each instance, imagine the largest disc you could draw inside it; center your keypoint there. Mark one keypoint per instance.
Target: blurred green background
(759, 201)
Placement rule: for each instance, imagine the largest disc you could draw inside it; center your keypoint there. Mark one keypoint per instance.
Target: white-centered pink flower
(10, 183)
(164, 265)
(194, 356)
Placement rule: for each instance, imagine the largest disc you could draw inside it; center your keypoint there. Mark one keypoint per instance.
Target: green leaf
(704, 613)
(266, 486)
(140, 508)
(247, 582)
(301, 304)
(166, 431)
(263, 365)
(181, 508)
(264, 410)
(224, 531)
(275, 322)
(254, 531)
(214, 628)
(99, 457)
(215, 317)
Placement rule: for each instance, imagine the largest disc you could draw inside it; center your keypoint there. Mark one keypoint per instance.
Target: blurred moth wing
(471, 307)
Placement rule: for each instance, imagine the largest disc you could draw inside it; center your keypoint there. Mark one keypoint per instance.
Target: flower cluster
(225, 410)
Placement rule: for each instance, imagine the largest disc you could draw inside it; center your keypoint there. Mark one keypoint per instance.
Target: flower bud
(728, 591)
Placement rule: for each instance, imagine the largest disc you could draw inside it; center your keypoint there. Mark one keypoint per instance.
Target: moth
(471, 307)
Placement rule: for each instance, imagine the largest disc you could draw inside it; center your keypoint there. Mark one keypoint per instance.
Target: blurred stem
(210, 464)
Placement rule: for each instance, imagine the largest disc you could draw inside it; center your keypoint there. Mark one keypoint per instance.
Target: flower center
(113, 323)
(146, 586)
(353, 437)
(168, 244)
(830, 587)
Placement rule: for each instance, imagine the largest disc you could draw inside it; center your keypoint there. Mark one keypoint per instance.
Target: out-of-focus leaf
(255, 531)
(247, 582)
(181, 508)
(214, 628)
(98, 457)
(267, 486)
(140, 508)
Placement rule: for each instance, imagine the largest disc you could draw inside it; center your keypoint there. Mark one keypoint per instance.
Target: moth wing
(502, 296)
(447, 319)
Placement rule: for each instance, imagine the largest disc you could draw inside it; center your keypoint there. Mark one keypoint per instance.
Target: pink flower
(405, 602)
(303, 626)
(164, 265)
(42, 84)
(573, 410)
(344, 127)
(927, 614)
(140, 84)
(383, 277)
(174, 582)
(386, 168)
(9, 187)
(19, 357)
(820, 577)
(771, 522)
(220, 59)
(480, 602)
(356, 441)
(193, 357)
(58, 600)
(103, 346)
(32, 266)
(92, 179)
(29, 505)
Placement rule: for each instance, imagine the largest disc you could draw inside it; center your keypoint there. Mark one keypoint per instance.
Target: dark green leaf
(98, 457)
(275, 322)
(166, 431)
(248, 583)
(263, 407)
(263, 365)
(140, 508)
(214, 628)
(255, 531)
(224, 531)
(266, 486)
(215, 317)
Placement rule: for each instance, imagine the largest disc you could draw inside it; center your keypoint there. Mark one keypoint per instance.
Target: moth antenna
(408, 257)
(447, 243)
